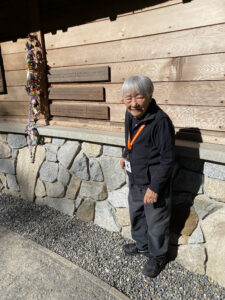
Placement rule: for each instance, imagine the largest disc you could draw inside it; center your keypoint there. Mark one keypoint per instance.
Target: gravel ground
(100, 252)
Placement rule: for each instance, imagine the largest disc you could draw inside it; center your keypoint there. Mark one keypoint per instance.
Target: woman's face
(136, 103)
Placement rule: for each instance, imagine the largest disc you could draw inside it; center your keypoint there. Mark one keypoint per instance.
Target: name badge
(127, 166)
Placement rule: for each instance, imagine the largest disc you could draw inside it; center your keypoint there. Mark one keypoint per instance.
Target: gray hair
(140, 83)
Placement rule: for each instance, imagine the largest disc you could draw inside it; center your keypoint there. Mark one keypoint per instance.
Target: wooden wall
(180, 46)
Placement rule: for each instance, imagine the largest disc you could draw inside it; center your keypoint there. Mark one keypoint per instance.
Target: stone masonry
(85, 179)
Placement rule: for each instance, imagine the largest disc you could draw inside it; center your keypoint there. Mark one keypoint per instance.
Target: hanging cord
(32, 90)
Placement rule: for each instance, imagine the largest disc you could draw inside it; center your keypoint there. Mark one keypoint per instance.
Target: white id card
(127, 166)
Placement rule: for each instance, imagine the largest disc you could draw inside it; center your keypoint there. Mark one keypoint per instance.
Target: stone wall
(85, 179)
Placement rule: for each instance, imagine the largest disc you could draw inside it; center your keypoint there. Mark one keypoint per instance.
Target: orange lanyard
(130, 143)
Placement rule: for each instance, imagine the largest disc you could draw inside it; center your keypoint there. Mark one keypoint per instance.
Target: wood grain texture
(210, 118)
(13, 108)
(16, 78)
(180, 43)
(93, 74)
(79, 110)
(15, 93)
(85, 123)
(77, 93)
(167, 19)
(199, 67)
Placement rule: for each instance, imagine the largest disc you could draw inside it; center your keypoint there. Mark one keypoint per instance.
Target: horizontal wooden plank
(200, 67)
(77, 93)
(20, 119)
(13, 109)
(205, 136)
(93, 74)
(150, 47)
(79, 110)
(16, 78)
(172, 18)
(86, 123)
(210, 118)
(15, 93)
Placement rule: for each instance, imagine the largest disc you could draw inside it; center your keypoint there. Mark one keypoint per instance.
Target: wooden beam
(80, 110)
(168, 19)
(77, 93)
(171, 44)
(210, 118)
(79, 74)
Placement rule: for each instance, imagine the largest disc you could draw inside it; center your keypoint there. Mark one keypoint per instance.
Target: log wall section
(180, 46)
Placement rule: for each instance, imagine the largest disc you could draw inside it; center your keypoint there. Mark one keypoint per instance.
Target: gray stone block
(7, 166)
(197, 236)
(114, 176)
(95, 170)
(55, 189)
(214, 170)
(119, 198)
(112, 151)
(51, 148)
(27, 173)
(214, 188)
(80, 166)
(92, 150)
(58, 142)
(49, 171)
(73, 187)
(64, 205)
(16, 140)
(187, 181)
(192, 257)
(105, 216)
(93, 190)
(205, 206)
(5, 150)
(50, 156)
(86, 210)
(40, 189)
(63, 175)
(15, 153)
(12, 182)
(213, 229)
(67, 153)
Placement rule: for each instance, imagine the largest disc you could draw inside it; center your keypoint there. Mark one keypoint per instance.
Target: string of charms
(32, 89)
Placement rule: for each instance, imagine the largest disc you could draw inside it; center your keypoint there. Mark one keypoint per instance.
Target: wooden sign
(79, 74)
(77, 93)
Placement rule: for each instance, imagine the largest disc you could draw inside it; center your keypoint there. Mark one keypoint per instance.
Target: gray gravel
(100, 252)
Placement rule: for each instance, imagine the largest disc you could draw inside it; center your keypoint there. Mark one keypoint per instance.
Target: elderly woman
(148, 159)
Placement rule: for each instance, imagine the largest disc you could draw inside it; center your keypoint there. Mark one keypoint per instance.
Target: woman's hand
(122, 163)
(150, 197)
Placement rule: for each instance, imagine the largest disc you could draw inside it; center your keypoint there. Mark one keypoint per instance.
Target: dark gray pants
(149, 222)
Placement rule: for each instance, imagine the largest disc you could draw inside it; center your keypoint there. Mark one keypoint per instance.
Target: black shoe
(154, 266)
(131, 249)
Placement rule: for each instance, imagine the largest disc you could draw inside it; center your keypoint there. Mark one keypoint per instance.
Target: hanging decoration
(32, 90)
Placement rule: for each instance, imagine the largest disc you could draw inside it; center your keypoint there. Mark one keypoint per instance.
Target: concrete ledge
(205, 151)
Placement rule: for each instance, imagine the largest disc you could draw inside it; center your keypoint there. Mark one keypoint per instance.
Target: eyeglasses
(137, 97)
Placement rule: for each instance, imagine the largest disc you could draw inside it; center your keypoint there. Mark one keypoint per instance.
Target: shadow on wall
(3, 87)
(187, 184)
(50, 16)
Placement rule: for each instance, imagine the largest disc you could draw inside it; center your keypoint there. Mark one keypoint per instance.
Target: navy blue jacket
(152, 154)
